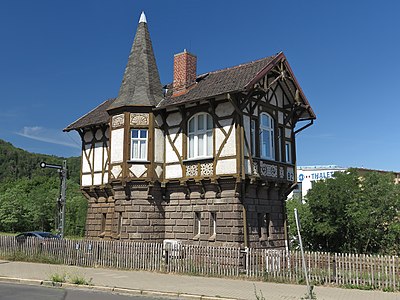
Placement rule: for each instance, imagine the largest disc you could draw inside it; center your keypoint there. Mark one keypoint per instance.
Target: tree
(351, 213)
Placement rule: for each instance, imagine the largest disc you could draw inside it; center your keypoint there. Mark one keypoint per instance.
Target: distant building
(308, 175)
(208, 159)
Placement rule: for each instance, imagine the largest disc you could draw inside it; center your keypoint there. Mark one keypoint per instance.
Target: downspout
(242, 175)
(242, 184)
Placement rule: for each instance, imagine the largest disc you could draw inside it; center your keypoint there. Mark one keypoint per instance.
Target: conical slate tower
(141, 84)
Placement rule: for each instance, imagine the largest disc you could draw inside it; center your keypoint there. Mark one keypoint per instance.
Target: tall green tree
(351, 213)
(28, 193)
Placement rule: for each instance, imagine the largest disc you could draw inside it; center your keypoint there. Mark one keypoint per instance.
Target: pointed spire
(141, 84)
(142, 18)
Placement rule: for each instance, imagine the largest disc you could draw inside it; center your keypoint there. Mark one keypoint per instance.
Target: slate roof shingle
(219, 82)
(208, 85)
(97, 116)
(141, 84)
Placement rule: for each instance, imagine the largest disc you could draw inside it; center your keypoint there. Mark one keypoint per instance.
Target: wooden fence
(372, 271)
(357, 270)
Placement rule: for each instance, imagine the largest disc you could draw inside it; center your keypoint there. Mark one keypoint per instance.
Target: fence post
(246, 267)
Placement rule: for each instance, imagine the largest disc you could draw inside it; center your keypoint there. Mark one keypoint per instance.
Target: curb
(117, 290)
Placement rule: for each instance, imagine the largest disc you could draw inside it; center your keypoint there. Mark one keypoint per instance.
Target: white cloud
(48, 135)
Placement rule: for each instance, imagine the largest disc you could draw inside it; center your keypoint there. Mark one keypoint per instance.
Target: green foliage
(28, 193)
(56, 277)
(350, 213)
(81, 280)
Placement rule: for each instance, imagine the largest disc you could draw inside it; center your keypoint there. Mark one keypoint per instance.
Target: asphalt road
(9, 291)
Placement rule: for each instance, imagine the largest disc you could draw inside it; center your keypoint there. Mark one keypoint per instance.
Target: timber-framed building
(207, 159)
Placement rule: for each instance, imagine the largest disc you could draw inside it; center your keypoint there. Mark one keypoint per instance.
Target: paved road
(9, 291)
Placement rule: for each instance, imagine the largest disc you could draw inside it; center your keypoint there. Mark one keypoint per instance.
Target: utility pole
(309, 288)
(62, 171)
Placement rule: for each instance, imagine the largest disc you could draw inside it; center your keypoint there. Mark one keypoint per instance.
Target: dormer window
(200, 128)
(139, 144)
(267, 145)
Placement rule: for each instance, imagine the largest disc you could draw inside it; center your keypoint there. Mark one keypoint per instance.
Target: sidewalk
(180, 285)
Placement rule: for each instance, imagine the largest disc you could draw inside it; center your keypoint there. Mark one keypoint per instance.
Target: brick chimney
(185, 65)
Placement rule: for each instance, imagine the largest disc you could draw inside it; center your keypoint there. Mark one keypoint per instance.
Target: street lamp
(62, 171)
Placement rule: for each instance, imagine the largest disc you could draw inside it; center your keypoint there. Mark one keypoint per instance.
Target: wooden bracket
(219, 189)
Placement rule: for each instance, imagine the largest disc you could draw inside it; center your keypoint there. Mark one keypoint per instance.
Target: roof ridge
(239, 65)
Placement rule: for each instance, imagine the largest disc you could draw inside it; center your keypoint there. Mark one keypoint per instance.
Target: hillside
(28, 193)
(16, 164)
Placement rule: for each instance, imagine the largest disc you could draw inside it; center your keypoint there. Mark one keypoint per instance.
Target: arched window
(267, 147)
(200, 136)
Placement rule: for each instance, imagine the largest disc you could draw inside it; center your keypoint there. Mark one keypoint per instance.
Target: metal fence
(373, 271)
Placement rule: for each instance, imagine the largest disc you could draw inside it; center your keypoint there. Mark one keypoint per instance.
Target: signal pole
(62, 171)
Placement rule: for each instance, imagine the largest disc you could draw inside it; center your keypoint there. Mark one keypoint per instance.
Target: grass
(56, 277)
(74, 279)
(80, 280)
(36, 258)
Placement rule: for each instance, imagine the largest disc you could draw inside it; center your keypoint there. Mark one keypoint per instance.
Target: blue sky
(60, 59)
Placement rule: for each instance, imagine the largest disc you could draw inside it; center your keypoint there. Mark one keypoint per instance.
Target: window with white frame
(200, 137)
(253, 137)
(139, 144)
(267, 147)
(288, 150)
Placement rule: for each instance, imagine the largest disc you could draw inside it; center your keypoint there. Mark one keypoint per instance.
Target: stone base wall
(265, 217)
(199, 214)
(206, 218)
(99, 217)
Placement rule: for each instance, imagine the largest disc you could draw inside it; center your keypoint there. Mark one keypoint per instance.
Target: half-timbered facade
(206, 159)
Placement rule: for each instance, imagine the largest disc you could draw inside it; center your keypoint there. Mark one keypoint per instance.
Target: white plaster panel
(247, 166)
(255, 113)
(98, 157)
(85, 163)
(117, 145)
(280, 117)
(170, 155)
(159, 171)
(99, 134)
(230, 145)
(169, 151)
(173, 171)
(219, 136)
(97, 179)
(247, 134)
(174, 119)
(88, 136)
(105, 156)
(279, 93)
(105, 177)
(158, 145)
(226, 166)
(178, 144)
(224, 109)
(272, 101)
(116, 171)
(138, 170)
(159, 121)
(86, 180)
(288, 133)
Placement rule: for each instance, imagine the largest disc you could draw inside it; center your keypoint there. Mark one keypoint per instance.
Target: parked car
(36, 234)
